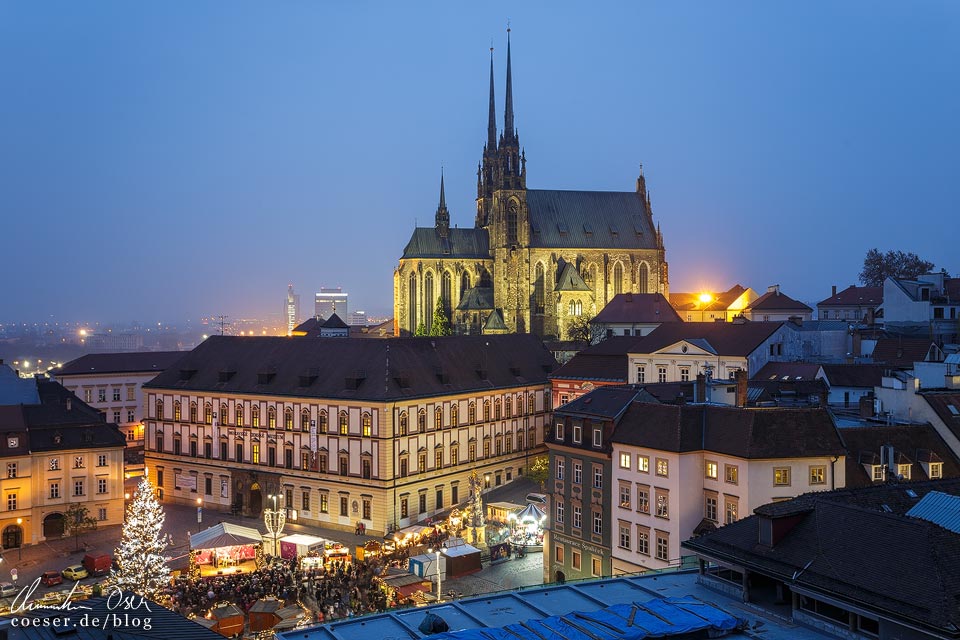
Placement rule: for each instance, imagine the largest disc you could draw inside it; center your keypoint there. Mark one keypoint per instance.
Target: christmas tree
(142, 568)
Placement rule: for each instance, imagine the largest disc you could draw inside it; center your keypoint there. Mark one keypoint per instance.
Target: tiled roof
(857, 545)
(100, 363)
(900, 352)
(606, 360)
(604, 402)
(570, 280)
(776, 301)
(15, 390)
(727, 338)
(359, 369)
(744, 433)
(590, 219)
(908, 440)
(334, 322)
(853, 375)
(854, 296)
(310, 326)
(53, 426)
(637, 307)
(495, 322)
(941, 402)
(476, 298)
(426, 242)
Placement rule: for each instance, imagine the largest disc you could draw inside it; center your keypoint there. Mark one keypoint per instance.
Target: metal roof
(939, 508)
(590, 219)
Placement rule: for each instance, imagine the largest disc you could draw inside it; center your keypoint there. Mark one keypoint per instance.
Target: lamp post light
(20, 541)
(437, 552)
(275, 518)
(199, 513)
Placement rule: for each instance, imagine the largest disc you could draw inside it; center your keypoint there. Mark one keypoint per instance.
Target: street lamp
(486, 481)
(199, 513)
(275, 519)
(438, 570)
(20, 542)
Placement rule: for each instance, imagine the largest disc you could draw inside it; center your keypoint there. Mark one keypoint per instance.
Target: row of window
(662, 541)
(79, 490)
(662, 373)
(577, 520)
(731, 472)
(578, 472)
(102, 395)
(576, 560)
(366, 427)
(79, 462)
(560, 433)
(422, 501)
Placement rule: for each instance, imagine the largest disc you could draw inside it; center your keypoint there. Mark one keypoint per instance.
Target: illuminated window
(731, 472)
(366, 425)
(438, 418)
(663, 468)
(305, 420)
(271, 417)
(711, 469)
(643, 464)
(344, 423)
(421, 421)
(781, 476)
(643, 499)
(454, 415)
(625, 496)
(472, 413)
(663, 504)
(486, 410)
(402, 424)
(239, 416)
(177, 411)
(643, 540)
(288, 419)
(818, 475)
(255, 415)
(731, 510)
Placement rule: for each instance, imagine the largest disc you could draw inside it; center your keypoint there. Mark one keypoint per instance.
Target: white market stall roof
(225, 534)
(301, 539)
(415, 529)
(460, 550)
(531, 512)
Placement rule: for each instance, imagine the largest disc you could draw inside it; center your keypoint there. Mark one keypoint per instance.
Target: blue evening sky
(164, 160)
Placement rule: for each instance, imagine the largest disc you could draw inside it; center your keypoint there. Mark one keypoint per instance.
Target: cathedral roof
(426, 242)
(570, 280)
(476, 298)
(495, 322)
(590, 219)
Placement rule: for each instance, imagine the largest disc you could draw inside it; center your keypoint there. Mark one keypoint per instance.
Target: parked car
(97, 564)
(50, 578)
(537, 498)
(75, 572)
(8, 589)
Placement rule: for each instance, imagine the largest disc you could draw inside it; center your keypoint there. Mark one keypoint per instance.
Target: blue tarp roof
(660, 617)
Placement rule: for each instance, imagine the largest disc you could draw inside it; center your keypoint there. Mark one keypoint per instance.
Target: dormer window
(876, 472)
(936, 470)
(903, 470)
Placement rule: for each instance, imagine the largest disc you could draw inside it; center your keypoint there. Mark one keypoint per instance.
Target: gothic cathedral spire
(488, 166)
(443, 216)
(492, 116)
(508, 130)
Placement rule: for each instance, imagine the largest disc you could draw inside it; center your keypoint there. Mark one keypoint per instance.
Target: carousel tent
(531, 512)
(225, 535)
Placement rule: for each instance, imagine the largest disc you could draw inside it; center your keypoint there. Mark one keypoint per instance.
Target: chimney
(774, 288)
(700, 388)
(834, 291)
(741, 377)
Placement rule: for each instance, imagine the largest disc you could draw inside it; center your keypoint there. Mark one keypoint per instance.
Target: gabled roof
(776, 301)
(476, 299)
(101, 363)
(853, 375)
(741, 432)
(590, 219)
(855, 296)
(901, 352)
(904, 567)
(309, 327)
(426, 242)
(913, 442)
(602, 402)
(334, 322)
(637, 308)
(495, 322)
(946, 404)
(570, 280)
(727, 338)
(720, 301)
(375, 370)
(63, 421)
(225, 534)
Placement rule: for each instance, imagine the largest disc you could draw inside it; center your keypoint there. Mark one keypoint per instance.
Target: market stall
(301, 546)
(527, 528)
(225, 547)
(460, 558)
(425, 565)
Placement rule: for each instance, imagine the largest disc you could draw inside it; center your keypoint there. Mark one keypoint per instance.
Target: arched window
(255, 415)
(428, 300)
(486, 410)
(617, 278)
(305, 420)
(438, 418)
(539, 294)
(322, 422)
(421, 421)
(193, 412)
(402, 424)
(454, 415)
(412, 306)
(239, 416)
(508, 406)
(208, 413)
(344, 423)
(643, 278)
(531, 403)
(464, 282)
(512, 215)
(288, 419)
(224, 416)
(519, 404)
(497, 409)
(572, 308)
(472, 413)
(485, 280)
(272, 417)
(177, 413)
(446, 293)
(159, 410)
(578, 308)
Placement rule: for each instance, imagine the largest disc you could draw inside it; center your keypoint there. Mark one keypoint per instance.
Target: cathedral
(535, 260)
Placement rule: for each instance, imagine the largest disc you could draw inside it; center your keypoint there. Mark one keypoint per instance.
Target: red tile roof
(727, 338)
(637, 307)
(776, 301)
(855, 296)
(901, 352)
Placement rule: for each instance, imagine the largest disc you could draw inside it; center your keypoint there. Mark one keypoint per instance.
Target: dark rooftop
(726, 338)
(101, 363)
(637, 307)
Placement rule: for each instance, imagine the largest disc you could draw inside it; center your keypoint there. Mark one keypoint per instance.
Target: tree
(142, 567)
(878, 266)
(441, 323)
(538, 470)
(579, 329)
(78, 521)
(421, 330)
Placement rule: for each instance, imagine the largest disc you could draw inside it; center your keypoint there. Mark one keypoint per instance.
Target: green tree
(538, 470)
(421, 330)
(78, 521)
(579, 329)
(878, 266)
(441, 323)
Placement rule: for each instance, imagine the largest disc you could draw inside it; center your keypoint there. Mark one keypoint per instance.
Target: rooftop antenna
(223, 322)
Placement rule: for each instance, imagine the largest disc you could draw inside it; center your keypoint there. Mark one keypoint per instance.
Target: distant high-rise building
(291, 309)
(357, 319)
(331, 300)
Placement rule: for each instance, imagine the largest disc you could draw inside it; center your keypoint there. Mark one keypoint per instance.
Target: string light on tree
(140, 556)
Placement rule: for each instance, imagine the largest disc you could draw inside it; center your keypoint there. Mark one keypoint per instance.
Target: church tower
(486, 170)
(442, 222)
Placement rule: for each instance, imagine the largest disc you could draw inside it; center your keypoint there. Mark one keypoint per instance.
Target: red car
(50, 578)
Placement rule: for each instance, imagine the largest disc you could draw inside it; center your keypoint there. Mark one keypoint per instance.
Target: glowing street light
(438, 570)
(199, 513)
(275, 519)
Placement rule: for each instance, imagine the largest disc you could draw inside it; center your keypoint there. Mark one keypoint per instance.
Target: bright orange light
(706, 297)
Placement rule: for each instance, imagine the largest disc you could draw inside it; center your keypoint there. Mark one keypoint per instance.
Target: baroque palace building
(535, 259)
(384, 432)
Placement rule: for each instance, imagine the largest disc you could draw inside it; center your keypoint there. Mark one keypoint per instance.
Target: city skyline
(179, 162)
